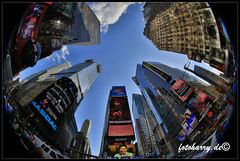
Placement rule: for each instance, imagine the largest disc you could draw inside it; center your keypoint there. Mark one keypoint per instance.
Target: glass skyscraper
(181, 105)
(60, 89)
(147, 144)
(82, 74)
(155, 81)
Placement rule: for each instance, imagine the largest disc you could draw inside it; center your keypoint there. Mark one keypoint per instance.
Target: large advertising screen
(120, 130)
(189, 123)
(182, 89)
(120, 150)
(119, 110)
(201, 102)
(118, 91)
(52, 104)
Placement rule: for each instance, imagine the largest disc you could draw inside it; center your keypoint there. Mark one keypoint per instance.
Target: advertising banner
(190, 121)
(52, 104)
(118, 91)
(120, 130)
(201, 102)
(182, 89)
(119, 110)
(121, 150)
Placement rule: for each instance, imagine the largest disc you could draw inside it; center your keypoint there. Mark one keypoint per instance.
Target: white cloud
(59, 55)
(109, 13)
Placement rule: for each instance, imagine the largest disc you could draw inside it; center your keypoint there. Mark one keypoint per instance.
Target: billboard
(118, 91)
(119, 110)
(182, 89)
(120, 130)
(121, 150)
(189, 123)
(52, 104)
(201, 101)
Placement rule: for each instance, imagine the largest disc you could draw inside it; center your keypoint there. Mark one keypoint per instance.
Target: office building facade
(146, 140)
(86, 26)
(68, 23)
(81, 142)
(172, 99)
(60, 90)
(188, 28)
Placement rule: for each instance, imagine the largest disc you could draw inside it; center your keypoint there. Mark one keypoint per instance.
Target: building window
(53, 154)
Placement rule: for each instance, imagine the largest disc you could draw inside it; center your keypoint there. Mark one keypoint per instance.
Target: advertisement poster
(201, 101)
(119, 110)
(189, 123)
(53, 103)
(118, 91)
(182, 89)
(120, 130)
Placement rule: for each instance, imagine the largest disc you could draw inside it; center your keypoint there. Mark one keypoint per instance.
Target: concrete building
(81, 142)
(187, 28)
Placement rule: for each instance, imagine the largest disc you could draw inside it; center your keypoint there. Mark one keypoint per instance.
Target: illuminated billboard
(201, 102)
(118, 91)
(52, 104)
(119, 110)
(120, 130)
(182, 89)
(121, 150)
(189, 123)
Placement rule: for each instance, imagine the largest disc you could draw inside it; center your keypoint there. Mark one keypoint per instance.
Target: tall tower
(118, 130)
(53, 96)
(188, 28)
(147, 144)
(179, 108)
(86, 128)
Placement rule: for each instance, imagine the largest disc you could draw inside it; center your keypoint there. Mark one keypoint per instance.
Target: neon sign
(45, 115)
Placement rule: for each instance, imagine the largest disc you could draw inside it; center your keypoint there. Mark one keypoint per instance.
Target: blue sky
(121, 48)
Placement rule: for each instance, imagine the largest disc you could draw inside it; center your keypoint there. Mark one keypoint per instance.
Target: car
(48, 151)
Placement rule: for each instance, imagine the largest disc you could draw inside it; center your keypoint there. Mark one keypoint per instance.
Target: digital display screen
(54, 101)
(182, 89)
(119, 109)
(201, 102)
(190, 121)
(120, 130)
(118, 91)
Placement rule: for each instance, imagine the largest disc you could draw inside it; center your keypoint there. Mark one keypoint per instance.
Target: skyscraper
(60, 90)
(81, 141)
(68, 23)
(82, 74)
(86, 26)
(147, 144)
(187, 28)
(176, 106)
(86, 128)
(118, 130)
